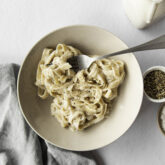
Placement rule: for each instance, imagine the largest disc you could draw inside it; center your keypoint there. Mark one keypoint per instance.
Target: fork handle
(157, 43)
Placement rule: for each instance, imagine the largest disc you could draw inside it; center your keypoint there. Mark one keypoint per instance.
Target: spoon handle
(157, 43)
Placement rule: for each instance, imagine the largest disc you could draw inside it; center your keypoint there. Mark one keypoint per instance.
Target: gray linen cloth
(19, 145)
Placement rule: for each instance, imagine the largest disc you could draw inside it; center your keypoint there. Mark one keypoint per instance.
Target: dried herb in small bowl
(154, 84)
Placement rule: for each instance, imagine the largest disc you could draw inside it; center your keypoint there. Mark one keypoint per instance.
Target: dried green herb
(154, 84)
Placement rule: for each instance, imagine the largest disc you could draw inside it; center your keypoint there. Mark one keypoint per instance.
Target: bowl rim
(157, 67)
(27, 54)
(159, 119)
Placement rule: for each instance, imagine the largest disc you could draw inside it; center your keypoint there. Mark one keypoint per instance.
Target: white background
(24, 22)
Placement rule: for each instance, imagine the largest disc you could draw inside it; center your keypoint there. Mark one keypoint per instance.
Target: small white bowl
(159, 118)
(161, 68)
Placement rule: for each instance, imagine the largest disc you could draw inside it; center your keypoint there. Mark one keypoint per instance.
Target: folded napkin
(19, 145)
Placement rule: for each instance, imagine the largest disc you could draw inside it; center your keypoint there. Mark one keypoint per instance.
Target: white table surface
(23, 23)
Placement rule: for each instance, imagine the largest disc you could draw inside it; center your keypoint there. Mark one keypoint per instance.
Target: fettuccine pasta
(79, 99)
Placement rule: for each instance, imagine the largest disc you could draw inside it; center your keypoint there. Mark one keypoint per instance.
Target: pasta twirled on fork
(80, 99)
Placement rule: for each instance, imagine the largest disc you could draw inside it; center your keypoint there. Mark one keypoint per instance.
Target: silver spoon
(83, 61)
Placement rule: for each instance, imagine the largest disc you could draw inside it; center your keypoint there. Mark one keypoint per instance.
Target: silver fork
(83, 61)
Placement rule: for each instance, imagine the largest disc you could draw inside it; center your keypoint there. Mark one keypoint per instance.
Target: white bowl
(161, 68)
(159, 118)
(90, 40)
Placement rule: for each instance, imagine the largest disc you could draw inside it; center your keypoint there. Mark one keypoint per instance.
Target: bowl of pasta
(82, 110)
